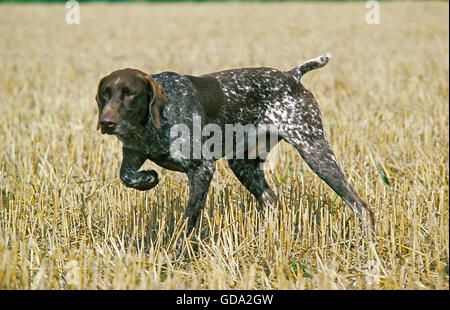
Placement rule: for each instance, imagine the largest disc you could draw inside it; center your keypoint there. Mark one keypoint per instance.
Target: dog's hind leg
(311, 142)
(250, 174)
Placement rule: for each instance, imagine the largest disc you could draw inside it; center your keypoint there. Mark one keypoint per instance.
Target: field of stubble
(66, 221)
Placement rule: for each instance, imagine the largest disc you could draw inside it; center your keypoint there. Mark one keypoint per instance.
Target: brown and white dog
(142, 110)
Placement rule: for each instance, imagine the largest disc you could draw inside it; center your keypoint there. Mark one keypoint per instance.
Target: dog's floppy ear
(157, 101)
(99, 101)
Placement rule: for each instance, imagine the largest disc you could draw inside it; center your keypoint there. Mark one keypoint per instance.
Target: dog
(141, 110)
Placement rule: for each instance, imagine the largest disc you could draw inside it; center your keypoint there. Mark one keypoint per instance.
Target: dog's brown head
(128, 95)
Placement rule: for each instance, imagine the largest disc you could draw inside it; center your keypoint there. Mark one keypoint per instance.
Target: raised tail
(309, 65)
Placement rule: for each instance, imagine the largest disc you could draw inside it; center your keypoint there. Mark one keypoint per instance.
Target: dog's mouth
(108, 130)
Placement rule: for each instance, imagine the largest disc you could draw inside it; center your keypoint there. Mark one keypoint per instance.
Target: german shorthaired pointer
(141, 109)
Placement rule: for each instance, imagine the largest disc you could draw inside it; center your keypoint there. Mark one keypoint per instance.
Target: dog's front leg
(199, 181)
(129, 174)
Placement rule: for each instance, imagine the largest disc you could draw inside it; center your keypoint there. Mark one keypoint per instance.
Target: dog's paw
(141, 180)
(149, 179)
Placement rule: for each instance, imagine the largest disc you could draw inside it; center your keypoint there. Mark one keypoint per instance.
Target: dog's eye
(106, 93)
(128, 92)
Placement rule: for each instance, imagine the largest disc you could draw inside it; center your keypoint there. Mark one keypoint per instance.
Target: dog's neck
(147, 138)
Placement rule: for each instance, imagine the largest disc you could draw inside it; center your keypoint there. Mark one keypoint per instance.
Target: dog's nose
(107, 125)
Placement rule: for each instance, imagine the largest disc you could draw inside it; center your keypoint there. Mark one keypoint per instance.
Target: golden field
(66, 221)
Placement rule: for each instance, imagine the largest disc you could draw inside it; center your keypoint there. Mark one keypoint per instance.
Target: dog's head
(128, 96)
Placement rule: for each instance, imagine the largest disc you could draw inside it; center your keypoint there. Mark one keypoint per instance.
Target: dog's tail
(309, 65)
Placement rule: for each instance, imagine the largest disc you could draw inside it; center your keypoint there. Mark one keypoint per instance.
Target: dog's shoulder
(209, 93)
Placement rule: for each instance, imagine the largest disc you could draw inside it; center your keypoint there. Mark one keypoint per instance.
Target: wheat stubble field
(66, 221)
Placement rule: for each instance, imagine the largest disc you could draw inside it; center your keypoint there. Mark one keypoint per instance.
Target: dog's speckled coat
(245, 96)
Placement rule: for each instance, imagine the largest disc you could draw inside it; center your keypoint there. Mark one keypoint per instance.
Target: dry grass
(66, 221)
